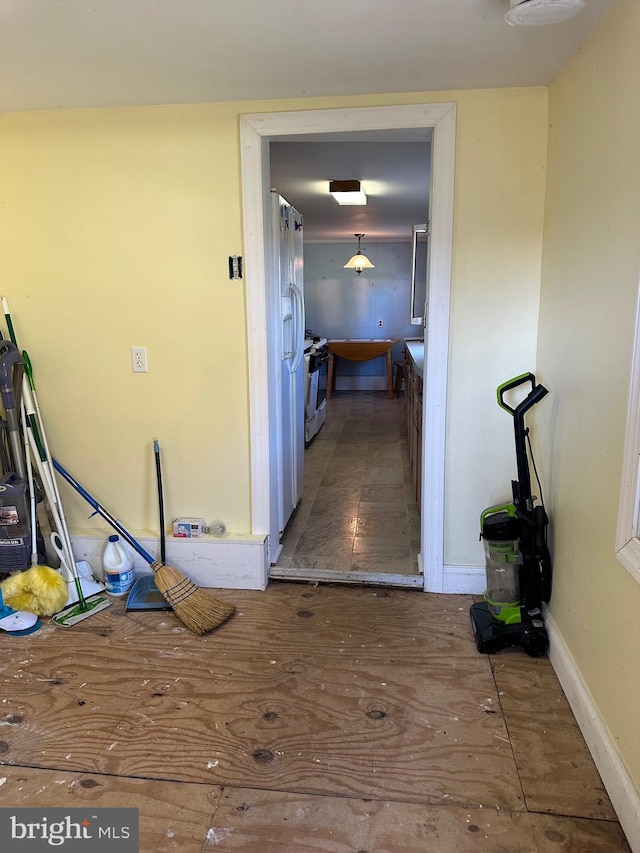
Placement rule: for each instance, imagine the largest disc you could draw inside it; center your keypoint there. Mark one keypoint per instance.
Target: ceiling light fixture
(359, 261)
(347, 192)
(536, 13)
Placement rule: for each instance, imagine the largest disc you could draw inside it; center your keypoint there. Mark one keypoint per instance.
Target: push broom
(197, 609)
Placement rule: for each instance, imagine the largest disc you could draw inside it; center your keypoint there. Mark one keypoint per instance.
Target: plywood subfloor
(318, 718)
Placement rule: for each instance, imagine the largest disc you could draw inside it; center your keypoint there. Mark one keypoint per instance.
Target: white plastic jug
(117, 564)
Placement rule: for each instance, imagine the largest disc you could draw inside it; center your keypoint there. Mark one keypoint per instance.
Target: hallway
(358, 512)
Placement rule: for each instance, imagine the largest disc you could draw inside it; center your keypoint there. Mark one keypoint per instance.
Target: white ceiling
(62, 54)
(394, 175)
(96, 53)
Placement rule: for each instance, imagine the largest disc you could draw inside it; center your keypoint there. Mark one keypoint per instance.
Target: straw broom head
(195, 608)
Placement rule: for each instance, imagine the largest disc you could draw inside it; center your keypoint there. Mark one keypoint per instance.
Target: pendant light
(359, 261)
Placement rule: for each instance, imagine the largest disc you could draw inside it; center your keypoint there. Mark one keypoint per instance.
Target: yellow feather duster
(40, 590)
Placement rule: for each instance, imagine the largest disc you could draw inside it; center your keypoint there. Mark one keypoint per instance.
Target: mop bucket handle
(535, 395)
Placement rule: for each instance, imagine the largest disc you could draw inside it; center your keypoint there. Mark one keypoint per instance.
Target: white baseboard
(471, 580)
(229, 562)
(623, 794)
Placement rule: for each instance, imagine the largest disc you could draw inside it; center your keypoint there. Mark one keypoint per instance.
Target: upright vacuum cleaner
(15, 526)
(518, 563)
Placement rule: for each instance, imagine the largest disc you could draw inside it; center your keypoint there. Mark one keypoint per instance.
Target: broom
(197, 609)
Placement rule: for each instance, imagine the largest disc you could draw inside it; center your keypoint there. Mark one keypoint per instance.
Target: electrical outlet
(379, 324)
(139, 359)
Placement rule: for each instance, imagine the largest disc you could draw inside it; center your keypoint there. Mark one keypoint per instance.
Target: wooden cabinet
(413, 417)
(417, 429)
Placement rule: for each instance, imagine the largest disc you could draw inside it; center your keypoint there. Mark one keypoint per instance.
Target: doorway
(257, 131)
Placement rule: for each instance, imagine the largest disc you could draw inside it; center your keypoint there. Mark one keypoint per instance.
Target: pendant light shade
(359, 261)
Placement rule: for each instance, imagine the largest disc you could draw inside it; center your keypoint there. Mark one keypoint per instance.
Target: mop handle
(7, 314)
(42, 449)
(32, 493)
(28, 391)
(103, 512)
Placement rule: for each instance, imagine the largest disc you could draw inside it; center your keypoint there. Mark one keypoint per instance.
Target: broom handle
(103, 512)
(156, 450)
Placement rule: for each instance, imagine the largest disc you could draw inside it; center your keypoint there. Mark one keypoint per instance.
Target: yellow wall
(587, 312)
(498, 215)
(115, 229)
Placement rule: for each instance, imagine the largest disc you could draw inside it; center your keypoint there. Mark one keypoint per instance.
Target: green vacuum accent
(510, 614)
(510, 509)
(513, 383)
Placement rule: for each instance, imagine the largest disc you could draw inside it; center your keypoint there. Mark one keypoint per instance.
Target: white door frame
(256, 131)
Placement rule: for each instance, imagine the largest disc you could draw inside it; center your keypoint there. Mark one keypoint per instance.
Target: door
(256, 131)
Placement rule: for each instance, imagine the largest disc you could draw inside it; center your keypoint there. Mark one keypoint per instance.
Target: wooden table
(359, 349)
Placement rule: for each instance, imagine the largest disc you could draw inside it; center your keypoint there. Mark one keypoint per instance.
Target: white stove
(316, 353)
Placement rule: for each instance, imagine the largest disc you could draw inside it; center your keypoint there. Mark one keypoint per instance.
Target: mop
(81, 598)
(79, 605)
(39, 589)
(29, 589)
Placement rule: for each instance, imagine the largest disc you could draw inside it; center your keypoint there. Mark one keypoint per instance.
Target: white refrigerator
(286, 307)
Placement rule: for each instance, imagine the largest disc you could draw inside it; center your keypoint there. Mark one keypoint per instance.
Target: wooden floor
(318, 718)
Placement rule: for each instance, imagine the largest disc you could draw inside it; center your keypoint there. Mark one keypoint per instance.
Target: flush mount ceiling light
(359, 261)
(347, 192)
(536, 13)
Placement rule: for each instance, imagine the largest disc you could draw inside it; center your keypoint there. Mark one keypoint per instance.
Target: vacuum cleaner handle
(514, 383)
(530, 400)
(10, 360)
(534, 396)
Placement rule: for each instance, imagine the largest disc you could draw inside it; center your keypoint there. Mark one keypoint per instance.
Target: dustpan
(145, 595)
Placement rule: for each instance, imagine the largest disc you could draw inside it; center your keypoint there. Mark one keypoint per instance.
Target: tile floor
(318, 719)
(358, 512)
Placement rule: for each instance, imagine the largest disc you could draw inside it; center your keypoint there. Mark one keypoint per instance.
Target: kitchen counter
(416, 351)
(413, 376)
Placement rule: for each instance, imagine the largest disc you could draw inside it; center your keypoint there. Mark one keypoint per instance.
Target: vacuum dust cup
(500, 533)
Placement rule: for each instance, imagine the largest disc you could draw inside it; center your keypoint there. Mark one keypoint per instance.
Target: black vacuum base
(492, 635)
